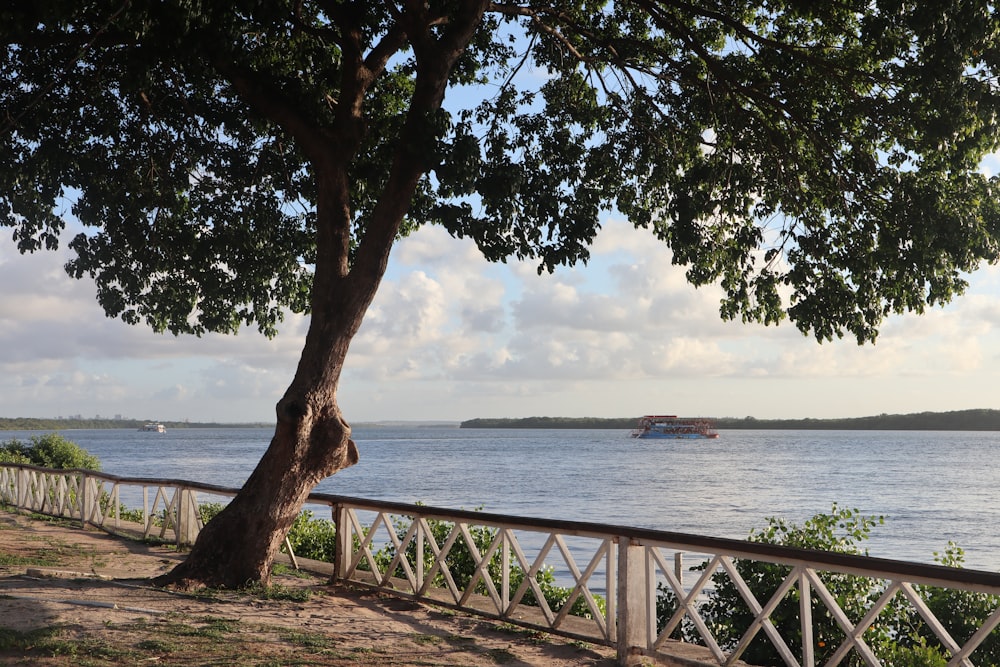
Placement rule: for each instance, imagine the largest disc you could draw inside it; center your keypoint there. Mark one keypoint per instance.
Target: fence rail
(611, 579)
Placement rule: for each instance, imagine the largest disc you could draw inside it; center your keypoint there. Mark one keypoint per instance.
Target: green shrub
(555, 596)
(208, 511)
(312, 538)
(462, 566)
(899, 637)
(917, 655)
(12, 452)
(48, 451)
(131, 515)
(728, 616)
(960, 612)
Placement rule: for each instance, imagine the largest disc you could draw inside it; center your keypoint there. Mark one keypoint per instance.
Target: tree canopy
(818, 159)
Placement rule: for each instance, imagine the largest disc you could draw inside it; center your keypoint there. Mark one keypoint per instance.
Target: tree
(232, 161)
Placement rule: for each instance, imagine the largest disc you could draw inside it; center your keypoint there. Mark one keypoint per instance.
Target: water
(931, 486)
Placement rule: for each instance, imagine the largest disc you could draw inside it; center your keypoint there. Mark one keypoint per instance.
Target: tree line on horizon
(959, 420)
(62, 424)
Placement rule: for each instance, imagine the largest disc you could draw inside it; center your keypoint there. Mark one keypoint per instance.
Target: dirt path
(75, 597)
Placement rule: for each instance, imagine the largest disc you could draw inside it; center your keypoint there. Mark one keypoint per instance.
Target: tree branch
(273, 105)
(436, 57)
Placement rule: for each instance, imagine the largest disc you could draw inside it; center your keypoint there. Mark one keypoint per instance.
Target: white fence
(594, 582)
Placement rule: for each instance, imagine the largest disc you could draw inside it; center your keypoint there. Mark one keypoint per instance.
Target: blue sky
(452, 337)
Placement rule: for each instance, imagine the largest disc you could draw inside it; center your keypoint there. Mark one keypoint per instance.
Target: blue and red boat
(673, 427)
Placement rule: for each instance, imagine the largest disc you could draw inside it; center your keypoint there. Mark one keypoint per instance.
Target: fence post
(86, 500)
(187, 517)
(343, 545)
(22, 488)
(636, 621)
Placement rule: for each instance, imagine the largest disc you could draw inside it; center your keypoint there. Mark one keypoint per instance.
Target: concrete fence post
(87, 500)
(343, 546)
(187, 517)
(23, 484)
(636, 619)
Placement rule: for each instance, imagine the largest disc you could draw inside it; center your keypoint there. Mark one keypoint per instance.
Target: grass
(278, 592)
(286, 570)
(12, 560)
(57, 641)
(157, 646)
(53, 553)
(501, 656)
(316, 641)
(208, 627)
(13, 640)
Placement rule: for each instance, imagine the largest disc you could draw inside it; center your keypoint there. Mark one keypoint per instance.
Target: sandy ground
(75, 597)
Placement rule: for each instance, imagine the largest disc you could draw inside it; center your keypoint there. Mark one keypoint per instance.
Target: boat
(674, 427)
(153, 427)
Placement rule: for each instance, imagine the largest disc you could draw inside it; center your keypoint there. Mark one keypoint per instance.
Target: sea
(932, 487)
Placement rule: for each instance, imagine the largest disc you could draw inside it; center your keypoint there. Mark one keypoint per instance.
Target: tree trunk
(238, 546)
(311, 440)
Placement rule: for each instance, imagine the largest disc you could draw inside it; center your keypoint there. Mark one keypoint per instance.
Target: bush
(917, 655)
(462, 567)
(48, 451)
(728, 616)
(316, 539)
(899, 637)
(960, 612)
(313, 538)
(208, 511)
(10, 452)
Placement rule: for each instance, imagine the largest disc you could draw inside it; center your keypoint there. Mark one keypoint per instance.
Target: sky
(452, 337)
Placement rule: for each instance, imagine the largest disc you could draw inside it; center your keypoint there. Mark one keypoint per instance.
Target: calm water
(932, 486)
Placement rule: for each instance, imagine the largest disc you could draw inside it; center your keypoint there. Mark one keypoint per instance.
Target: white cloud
(451, 336)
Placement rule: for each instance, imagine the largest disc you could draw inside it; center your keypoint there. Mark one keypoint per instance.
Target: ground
(70, 596)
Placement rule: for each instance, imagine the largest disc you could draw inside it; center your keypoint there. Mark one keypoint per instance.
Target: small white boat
(153, 428)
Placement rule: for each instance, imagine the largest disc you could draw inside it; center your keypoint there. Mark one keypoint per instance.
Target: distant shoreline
(41, 424)
(960, 420)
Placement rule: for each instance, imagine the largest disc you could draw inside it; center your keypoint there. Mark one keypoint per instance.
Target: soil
(70, 596)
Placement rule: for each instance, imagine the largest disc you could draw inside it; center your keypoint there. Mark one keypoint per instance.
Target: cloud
(452, 336)
(629, 316)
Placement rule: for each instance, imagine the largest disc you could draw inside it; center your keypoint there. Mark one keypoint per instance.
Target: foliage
(918, 654)
(955, 420)
(552, 422)
(313, 538)
(817, 159)
(899, 637)
(462, 566)
(11, 453)
(208, 511)
(841, 530)
(75, 423)
(48, 451)
(961, 612)
(461, 562)
(125, 513)
(309, 536)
